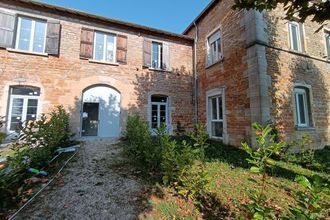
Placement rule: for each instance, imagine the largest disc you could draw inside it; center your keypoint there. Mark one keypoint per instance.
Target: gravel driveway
(96, 184)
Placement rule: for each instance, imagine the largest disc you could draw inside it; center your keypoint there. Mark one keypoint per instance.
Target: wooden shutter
(146, 53)
(86, 43)
(7, 28)
(121, 52)
(166, 57)
(53, 37)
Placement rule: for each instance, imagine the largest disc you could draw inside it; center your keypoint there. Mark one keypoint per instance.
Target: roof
(59, 9)
(201, 15)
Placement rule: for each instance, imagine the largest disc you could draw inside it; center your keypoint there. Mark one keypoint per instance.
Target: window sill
(156, 69)
(27, 52)
(103, 62)
(213, 64)
(299, 128)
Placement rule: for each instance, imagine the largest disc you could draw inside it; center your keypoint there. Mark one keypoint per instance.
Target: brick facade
(62, 79)
(259, 72)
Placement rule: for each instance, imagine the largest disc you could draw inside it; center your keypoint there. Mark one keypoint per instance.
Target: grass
(5, 152)
(230, 185)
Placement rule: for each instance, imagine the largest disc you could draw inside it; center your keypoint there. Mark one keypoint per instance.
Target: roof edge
(101, 18)
(201, 15)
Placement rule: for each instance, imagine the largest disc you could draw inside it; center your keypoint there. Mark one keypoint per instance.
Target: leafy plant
(309, 201)
(260, 159)
(200, 138)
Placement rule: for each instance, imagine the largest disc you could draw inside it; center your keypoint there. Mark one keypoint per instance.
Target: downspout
(195, 76)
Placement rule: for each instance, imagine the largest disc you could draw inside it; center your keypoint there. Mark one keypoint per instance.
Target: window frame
(32, 34)
(210, 62)
(217, 92)
(306, 91)
(327, 43)
(299, 36)
(160, 55)
(105, 35)
(158, 104)
(24, 107)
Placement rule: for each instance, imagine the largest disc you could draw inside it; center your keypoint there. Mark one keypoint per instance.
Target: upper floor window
(214, 48)
(295, 32)
(157, 54)
(104, 47)
(302, 104)
(327, 43)
(31, 34)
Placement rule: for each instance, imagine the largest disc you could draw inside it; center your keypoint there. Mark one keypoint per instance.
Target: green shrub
(309, 201)
(260, 159)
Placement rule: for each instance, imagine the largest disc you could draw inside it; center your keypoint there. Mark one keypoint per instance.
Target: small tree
(260, 159)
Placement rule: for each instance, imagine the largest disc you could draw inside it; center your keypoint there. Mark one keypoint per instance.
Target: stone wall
(230, 73)
(62, 79)
(287, 68)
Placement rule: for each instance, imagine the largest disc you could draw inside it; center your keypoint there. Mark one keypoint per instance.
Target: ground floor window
(302, 105)
(23, 105)
(216, 113)
(159, 111)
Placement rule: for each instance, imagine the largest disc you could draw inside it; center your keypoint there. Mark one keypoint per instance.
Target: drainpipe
(195, 75)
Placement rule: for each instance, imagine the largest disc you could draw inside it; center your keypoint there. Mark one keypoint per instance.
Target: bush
(34, 148)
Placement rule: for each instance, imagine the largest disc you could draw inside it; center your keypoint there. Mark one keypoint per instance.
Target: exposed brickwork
(287, 68)
(62, 79)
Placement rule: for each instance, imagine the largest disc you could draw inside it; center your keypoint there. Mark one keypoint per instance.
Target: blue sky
(170, 15)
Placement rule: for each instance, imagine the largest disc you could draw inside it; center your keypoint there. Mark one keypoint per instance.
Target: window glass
(302, 106)
(295, 36)
(39, 36)
(20, 90)
(99, 46)
(156, 55)
(214, 48)
(217, 129)
(216, 116)
(31, 34)
(110, 48)
(214, 108)
(327, 42)
(158, 111)
(25, 34)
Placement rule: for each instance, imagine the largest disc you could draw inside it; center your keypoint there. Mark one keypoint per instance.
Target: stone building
(228, 69)
(97, 68)
(260, 67)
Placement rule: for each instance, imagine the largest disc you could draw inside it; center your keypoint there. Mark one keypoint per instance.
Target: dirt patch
(92, 186)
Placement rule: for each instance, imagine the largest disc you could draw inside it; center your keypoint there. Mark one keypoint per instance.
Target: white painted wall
(109, 109)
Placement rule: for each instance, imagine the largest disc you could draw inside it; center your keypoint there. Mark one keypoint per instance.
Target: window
(327, 43)
(104, 47)
(302, 103)
(156, 55)
(31, 35)
(23, 105)
(159, 113)
(295, 36)
(214, 48)
(216, 116)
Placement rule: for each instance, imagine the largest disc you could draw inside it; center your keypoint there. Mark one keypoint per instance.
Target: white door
(108, 110)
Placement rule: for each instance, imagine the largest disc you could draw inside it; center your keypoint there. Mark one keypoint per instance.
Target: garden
(32, 158)
(192, 177)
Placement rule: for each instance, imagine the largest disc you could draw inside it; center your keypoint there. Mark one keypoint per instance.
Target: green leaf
(255, 169)
(303, 181)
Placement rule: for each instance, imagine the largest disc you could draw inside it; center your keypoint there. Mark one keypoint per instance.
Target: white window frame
(209, 95)
(104, 46)
(208, 48)
(301, 91)
(24, 110)
(158, 104)
(327, 43)
(160, 45)
(18, 31)
(299, 35)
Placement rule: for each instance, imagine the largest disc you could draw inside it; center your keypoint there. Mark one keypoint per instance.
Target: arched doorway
(101, 112)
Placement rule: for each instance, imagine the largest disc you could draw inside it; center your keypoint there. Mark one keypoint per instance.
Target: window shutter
(166, 57)
(121, 52)
(146, 53)
(53, 37)
(86, 43)
(7, 28)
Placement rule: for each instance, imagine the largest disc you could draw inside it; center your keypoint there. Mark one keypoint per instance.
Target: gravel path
(96, 184)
